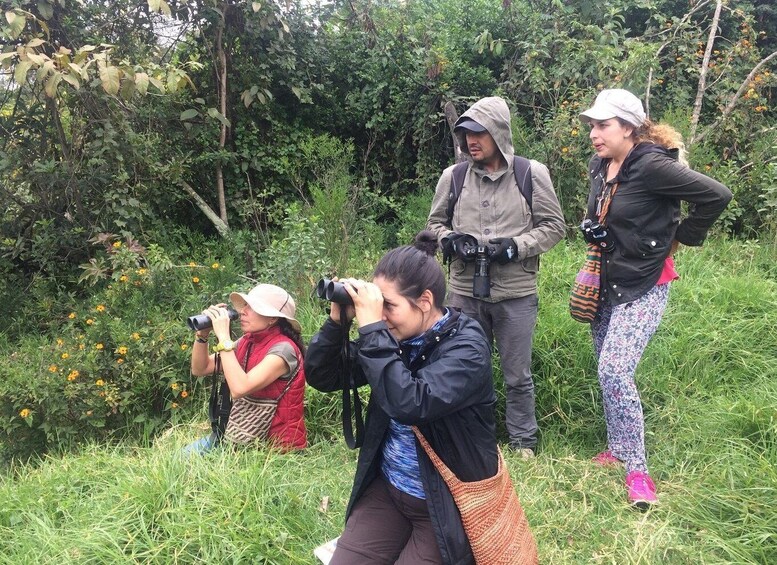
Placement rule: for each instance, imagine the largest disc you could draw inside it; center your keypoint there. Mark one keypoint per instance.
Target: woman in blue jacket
(427, 366)
(638, 180)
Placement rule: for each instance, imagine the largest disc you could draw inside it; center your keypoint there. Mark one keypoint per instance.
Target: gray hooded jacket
(491, 206)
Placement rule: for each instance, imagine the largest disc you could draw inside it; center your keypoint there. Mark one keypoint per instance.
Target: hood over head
(493, 115)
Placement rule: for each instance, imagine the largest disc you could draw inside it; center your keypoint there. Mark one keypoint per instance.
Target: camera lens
(321, 288)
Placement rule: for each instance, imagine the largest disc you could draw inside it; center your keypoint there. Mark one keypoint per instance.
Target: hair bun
(426, 241)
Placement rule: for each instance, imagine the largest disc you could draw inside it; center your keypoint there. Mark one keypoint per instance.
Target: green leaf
(52, 83)
(71, 80)
(141, 83)
(45, 9)
(20, 73)
(16, 24)
(189, 114)
(35, 42)
(110, 77)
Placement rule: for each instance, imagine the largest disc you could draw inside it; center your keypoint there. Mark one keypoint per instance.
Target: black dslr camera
(481, 283)
(202, 322)
(596, 233)
(333, 291)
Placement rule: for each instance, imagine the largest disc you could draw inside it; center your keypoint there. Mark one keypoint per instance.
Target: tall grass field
(708, 383)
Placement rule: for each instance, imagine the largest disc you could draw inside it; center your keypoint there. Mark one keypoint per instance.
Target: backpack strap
(521, 170)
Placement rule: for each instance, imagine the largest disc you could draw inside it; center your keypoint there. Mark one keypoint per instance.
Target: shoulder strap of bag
(521, 170)
(447, 475)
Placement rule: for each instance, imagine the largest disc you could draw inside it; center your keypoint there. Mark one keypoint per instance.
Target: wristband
(198, 339)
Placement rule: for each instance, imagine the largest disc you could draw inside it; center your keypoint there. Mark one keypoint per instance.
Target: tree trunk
(220, 225)
(221, 79)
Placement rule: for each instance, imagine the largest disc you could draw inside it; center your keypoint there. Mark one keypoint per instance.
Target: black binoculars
(596, 233)
(333, 291)
(202, 322)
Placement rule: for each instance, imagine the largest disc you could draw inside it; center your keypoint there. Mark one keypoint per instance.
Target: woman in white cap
(265, 363)
(637, 181)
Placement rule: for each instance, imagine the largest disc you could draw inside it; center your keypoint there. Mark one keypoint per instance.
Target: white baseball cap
(268, 300)
(616, 103)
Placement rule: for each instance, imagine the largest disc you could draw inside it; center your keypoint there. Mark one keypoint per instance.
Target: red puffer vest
(288, 426)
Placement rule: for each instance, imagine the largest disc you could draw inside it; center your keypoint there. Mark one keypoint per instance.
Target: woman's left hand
(367, 300)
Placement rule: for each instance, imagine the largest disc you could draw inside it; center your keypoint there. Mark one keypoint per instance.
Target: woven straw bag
(491, 514)
(250, 419)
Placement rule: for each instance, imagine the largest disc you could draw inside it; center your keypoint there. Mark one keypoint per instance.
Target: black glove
(457, 245)
(504, 251)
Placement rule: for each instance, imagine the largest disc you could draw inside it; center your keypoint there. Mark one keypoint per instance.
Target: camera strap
(350, 389)
(220, 403)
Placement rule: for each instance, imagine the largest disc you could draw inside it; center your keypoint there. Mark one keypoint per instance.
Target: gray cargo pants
(512, 323)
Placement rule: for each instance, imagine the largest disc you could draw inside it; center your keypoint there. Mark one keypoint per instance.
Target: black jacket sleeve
(324, 362)
(708, 197)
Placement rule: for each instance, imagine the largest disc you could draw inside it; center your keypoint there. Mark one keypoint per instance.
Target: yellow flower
(565, 149)
(124, 278)
(119, 361)
(99, 346)
(192, 264)
(574, 132)
(174, 386)
(100, 308)
(679, 59)
(174, 405)
(81, 346)
(65, 355)
(195, 280)
(116, 244)
(52, 368)
(707, 167)
(72, 315)
(135, 336)
(214, 266)
(59, 341)
(73, 375)
(89, 412)
(660, 81)
(184, 346)
(760, 108)
(24, 412)
(99, 382)
(121, 350)
(184, 394)
(89, 322)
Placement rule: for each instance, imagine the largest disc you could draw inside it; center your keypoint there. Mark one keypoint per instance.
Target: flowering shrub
(116, 363)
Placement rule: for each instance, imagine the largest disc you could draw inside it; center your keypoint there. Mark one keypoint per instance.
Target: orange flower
(195, 280)
(72, 315)
(52, 368)
(89, 322)
(184, 394)
(100, 308)
(135, 336)
(99, 346)
(119, 361)
(73, 375)
(121, 350)
(174, 405)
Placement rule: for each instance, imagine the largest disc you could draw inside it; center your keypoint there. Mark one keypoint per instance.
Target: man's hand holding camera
(504, 250)
(458, 245)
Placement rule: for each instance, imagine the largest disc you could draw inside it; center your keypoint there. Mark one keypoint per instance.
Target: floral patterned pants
(620, 335)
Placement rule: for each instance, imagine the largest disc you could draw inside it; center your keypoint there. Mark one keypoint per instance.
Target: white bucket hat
(268, 300)
(616, 103)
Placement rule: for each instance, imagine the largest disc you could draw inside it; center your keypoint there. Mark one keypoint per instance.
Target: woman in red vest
(265, 363)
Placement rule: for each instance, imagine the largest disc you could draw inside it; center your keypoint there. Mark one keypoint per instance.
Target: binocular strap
(350, 388)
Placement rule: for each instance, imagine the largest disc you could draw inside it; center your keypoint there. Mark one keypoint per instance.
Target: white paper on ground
(325, 551)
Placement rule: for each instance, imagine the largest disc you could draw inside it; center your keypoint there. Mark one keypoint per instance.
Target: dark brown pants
(387, 526)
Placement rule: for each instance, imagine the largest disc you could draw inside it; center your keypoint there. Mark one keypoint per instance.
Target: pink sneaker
(642, 490)
(606, 459)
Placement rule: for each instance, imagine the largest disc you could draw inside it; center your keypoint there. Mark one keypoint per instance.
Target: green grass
(710, 396)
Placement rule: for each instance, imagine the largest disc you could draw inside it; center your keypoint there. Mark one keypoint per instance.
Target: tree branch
(703, 72)
(221, 227)
(732, 103)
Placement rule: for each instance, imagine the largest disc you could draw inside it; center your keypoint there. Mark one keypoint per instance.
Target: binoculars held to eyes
(202, 322)
(333, 291)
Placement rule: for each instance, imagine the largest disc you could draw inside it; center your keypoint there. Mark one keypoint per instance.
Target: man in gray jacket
(492, 211)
